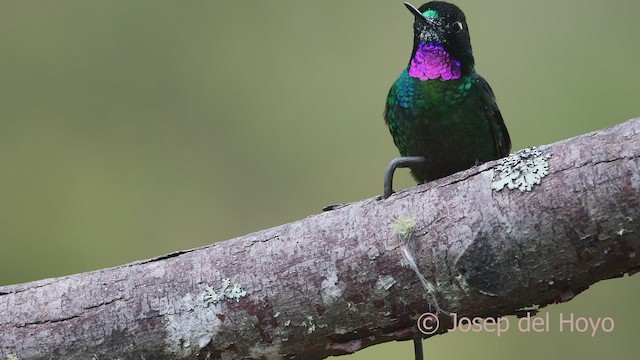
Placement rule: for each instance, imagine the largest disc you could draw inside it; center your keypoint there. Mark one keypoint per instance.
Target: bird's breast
(433, 96)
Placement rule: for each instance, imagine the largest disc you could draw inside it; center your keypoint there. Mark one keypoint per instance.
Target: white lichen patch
(12, 356)
(521, 170)
(214, 296)
(190, 326)
(311, 327)
(385, 282)
(351, 307)
(330, 290)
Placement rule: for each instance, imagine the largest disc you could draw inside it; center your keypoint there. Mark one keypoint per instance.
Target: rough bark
(337, 282)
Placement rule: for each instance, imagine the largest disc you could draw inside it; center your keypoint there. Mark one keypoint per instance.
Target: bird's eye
(457, 26)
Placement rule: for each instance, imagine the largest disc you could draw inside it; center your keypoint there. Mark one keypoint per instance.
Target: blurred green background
(132, 129)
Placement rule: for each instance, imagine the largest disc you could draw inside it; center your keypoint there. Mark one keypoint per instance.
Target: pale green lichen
(403, 225)
(311, 327)
(522, 170)
(385, 282)
(12, 356)
(214, 296)
(351, 307)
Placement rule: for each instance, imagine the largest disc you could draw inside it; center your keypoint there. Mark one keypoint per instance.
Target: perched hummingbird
(442, 114)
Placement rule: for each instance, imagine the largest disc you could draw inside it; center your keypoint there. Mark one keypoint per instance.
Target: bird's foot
(417, 348)
(399, 162)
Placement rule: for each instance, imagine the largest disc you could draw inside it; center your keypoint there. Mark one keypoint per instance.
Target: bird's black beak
(417, 13)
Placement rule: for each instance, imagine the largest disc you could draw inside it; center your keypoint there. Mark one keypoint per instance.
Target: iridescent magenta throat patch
(433, 62)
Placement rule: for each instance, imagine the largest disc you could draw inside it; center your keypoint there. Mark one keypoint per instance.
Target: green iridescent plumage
(439, 107)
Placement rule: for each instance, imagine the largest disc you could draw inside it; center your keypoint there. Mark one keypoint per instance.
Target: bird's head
(438, 23)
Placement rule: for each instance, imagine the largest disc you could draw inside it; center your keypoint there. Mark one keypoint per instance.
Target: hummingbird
(441, 113)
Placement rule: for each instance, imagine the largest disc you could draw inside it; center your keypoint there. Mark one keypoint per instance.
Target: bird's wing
(498, 129)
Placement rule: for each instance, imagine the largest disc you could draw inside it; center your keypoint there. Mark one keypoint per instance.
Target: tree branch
(337, 282)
